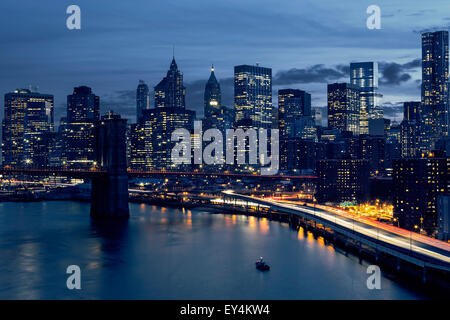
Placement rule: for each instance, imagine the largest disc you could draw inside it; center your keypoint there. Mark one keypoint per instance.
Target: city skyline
(299, 63)
(166, 144)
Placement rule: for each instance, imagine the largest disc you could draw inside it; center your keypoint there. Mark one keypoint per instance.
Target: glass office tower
(142, 99)
(253, 96)
(435, 87)
(26, 126)
(364, 75)
(83, 111)
(344, 107)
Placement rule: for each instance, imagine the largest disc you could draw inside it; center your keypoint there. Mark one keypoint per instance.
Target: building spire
(212, 77)
(173, 64)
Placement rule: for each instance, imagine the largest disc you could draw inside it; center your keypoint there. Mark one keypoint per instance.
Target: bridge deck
(420, 250)
(84, 173)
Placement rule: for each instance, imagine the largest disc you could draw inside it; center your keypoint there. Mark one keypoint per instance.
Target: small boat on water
(261, 265)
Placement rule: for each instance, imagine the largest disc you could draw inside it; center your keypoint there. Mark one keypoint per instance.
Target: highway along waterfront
(170, 253)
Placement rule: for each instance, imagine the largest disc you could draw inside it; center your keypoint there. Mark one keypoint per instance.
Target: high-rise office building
(142, 99)
(373, 149)
(168, 115)
(417, 184)
(253, 96)
(410, 129)
(292, 105)
(213, 114)
(344, 107)
(26, 126)
(342, 180)
(137, 157)
(409, 139)
(83, 111)
(364, 75)
(303, 154)
(294, 108)
(159, 123)
(435, 87)
(212, 96)
(170, 92)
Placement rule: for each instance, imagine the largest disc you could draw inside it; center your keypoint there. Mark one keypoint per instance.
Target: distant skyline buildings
(356, 137)
(104, 63)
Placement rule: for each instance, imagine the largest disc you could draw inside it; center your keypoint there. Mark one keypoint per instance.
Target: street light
(398, 222)
(410, 237)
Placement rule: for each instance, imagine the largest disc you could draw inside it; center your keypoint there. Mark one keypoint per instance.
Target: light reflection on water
(163, 253)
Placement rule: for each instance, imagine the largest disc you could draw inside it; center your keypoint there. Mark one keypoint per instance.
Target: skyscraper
(213, 102)
(344, 107)
(159, 123)
(417, 184)
(169, 114)
(364, 75)
(83, 110)
(142, 99)
(343, 180)
(435, 86)
(27, 123)
(294, 109)
(170, 92)
(137, 157)
(292, 104)
(253, 96)
(410, 129)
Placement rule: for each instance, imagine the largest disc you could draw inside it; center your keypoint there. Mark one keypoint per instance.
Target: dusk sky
(306, 43)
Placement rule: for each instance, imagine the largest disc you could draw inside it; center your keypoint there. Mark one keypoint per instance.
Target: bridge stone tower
(110, 191)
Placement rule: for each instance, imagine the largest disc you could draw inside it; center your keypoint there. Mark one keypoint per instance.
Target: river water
(165, 253)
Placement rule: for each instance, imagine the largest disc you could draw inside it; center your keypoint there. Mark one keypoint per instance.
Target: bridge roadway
(85, 173)
(422, 251)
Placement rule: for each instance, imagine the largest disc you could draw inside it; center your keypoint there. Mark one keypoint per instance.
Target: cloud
(395, 73)
(316, 73)
(122, 102)
(393, 109)
(392, 73)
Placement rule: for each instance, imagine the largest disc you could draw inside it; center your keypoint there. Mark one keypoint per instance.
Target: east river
(165, 253)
